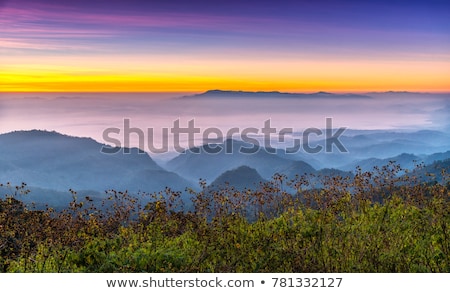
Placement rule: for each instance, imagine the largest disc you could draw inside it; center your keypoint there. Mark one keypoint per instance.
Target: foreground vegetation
(373, 222)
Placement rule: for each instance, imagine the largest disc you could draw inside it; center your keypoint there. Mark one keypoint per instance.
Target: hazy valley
(82, 192)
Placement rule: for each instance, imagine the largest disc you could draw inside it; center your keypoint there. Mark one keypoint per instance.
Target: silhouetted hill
(296, 168)
(209, 166)
(240, 178)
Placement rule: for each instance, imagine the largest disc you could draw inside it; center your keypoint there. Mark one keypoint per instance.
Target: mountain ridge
(53, 161)
(193, 165)
(217, 93)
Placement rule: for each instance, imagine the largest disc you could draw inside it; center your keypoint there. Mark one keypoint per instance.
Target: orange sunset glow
(48, 49)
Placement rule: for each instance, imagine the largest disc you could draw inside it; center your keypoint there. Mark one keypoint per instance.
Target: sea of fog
(91, 114)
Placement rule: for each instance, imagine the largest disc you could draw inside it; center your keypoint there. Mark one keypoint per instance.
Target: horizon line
(231, 90)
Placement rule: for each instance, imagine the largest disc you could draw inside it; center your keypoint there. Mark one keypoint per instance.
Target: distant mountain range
(407, 161)
(379, 145)
(51, 163)
(273, 94)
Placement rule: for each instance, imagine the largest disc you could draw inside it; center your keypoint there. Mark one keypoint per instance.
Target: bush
(372, 222)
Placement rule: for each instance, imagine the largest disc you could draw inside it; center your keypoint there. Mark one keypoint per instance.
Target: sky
(194, 46)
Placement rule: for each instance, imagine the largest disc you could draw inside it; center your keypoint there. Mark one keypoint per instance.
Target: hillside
(240, 178)
(52, 161)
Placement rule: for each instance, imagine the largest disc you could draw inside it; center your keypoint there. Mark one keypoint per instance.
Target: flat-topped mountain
(273, 94)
